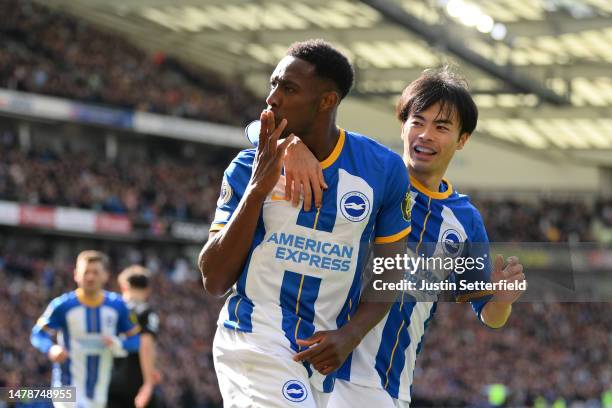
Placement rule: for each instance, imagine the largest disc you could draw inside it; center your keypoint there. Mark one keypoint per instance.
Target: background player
(135, 376)
(296, 272)
(438, 116)
(87, 323)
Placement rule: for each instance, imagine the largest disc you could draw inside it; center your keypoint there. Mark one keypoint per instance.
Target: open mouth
(424, 150)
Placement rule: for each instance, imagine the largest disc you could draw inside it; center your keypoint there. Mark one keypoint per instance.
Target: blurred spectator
(165, 187)
(511, 220)
(550, 350)
(46, 51)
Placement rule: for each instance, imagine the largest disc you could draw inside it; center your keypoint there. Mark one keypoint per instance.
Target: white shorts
(249, 377)
(349, 395)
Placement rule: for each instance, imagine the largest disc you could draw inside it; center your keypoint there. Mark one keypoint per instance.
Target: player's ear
(463, 138)
(329, 100)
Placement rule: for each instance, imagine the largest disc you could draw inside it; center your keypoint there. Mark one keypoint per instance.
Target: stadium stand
(52, 53)
(144, 184)
(560, 351)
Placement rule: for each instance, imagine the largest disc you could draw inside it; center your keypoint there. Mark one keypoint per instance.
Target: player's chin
(421, 165)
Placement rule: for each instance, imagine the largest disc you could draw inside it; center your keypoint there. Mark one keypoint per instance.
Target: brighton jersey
(444, 225)
(303, 271)
(80, 325)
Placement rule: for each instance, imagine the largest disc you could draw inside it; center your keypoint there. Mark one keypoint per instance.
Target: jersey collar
(80, 294)
(433, 194)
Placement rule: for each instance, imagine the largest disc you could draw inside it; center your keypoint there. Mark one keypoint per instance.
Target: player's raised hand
(57, 354)
(303, 173)
(513, 272)
(327, 350)
(269, 157)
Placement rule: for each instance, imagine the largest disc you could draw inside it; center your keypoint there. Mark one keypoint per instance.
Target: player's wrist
(354, 334)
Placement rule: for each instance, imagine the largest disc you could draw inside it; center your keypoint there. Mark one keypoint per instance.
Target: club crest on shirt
(109, 321)
(295, 391)
(407, 207)
(226, 193)
(355, 206)
(452, 242)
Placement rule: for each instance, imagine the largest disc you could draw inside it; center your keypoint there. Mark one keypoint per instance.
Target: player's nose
(426, 133)
(273, 100)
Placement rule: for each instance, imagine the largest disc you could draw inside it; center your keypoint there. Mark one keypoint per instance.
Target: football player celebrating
(294, 276)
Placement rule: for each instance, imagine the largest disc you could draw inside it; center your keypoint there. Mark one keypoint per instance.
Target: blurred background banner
(117, 120)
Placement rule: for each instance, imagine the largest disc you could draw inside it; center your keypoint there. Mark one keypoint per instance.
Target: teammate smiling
(438, 116)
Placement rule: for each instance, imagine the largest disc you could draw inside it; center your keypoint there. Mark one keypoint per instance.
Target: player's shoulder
(114, 300)
(149, 320)
(240, 168)
(244, 159)
(469, 212)
(65, 301)
(376, 153)
(368, 144)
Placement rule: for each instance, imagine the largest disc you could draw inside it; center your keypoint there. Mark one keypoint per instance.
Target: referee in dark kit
(134, 377)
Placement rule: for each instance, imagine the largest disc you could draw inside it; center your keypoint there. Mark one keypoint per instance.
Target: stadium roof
(540, 70)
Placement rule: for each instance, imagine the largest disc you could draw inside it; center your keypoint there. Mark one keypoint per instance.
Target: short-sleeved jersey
(80, 325)
(444, 223)
(303, 271)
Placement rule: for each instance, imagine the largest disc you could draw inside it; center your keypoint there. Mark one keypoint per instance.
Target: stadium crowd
(548, 349)
(49, 52)
(144, 189)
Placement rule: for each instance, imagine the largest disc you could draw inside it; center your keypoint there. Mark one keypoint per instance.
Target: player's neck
(322, 141)
(90, 297)
(429, 180)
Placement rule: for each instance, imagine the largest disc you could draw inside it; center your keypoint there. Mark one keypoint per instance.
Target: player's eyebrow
(443, 121)
(437, 121)
(283, 81)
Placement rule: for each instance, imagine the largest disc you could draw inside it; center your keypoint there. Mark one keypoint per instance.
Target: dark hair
(328, 62)
(442, 86)
(135, 276)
